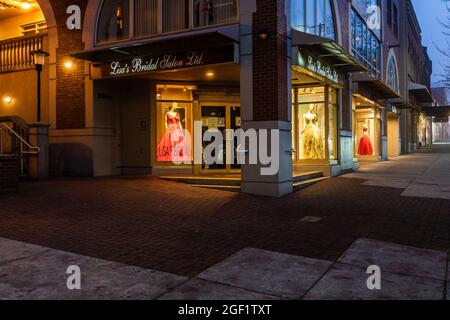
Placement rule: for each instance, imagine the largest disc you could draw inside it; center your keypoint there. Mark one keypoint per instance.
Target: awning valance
(421, 92)
(328, 51)
(155, 47)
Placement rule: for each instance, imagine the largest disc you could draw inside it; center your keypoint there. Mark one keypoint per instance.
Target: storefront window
(212, 12)
(114, 22)
(313, 16)
(367, 129)
(311, 123)
(333, 121)
(174, 123)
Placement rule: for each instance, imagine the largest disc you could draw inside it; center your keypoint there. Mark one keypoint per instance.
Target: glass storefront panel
(367, 126)
(310, 118)
(174, 123)
(214, 118)
(333, 121)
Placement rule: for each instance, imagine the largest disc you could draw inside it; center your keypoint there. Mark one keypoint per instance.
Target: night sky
(429, 12)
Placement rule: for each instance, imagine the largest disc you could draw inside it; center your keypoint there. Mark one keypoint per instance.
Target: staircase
(232, 182)
(15, 141)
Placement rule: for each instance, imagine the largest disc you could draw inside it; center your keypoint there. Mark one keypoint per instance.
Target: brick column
(266, 89)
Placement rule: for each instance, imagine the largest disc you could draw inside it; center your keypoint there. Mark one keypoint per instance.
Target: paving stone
(345, 282)
(428, 190)
(11, 250)
(196, 289)
(397, 258)
(43, 276)
(268, 272)
(392, 182)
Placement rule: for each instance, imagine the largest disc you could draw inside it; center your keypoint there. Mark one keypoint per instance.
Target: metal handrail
(33, 150)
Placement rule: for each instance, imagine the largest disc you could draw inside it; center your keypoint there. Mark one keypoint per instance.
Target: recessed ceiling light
(25, 5)
(210, 74)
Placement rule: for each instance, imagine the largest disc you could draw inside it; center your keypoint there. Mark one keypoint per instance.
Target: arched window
(392, 77)
(314, 16)
(114, 21)
(155, 17)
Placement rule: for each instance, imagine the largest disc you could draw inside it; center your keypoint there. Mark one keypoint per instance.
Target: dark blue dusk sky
(429, 12)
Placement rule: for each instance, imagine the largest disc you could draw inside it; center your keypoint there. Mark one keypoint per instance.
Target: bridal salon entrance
(220, 116)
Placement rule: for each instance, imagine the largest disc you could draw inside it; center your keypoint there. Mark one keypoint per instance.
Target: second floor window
(314, 16)
(365, 45)
(395, 22)
(389, 12)
(127, 19)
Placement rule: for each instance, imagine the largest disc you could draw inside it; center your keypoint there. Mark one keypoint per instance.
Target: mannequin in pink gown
(173, 146)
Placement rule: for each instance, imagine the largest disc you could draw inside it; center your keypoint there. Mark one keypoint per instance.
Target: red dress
(365, 145)
(173, 145)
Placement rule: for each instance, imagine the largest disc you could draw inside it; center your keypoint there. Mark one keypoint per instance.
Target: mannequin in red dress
(173, 145)
(365, 145)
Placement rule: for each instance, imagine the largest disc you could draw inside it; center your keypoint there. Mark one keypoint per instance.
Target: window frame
(160, 33)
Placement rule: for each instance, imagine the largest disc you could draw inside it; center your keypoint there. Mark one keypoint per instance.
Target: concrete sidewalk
(425, 174)
(38, 273)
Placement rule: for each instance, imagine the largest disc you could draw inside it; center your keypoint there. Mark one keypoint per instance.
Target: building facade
(145, 81)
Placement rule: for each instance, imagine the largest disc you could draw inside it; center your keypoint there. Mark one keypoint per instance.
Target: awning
(328, 51)
(421, 92)
(401, 104)
(438, 113)
(378, 88)
(155, 47)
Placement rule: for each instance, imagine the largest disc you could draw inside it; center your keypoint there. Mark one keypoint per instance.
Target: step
(219, 187)
(210, 181)
(299, 177)
(307, 183)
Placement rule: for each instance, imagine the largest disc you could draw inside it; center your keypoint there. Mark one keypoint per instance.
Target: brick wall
(9, 173)
(270, 61)
(70, 86)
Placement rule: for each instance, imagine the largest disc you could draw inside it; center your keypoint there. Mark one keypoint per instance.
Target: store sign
(165, 62)
(318, 67)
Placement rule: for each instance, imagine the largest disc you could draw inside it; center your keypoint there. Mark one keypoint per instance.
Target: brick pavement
(178, 229)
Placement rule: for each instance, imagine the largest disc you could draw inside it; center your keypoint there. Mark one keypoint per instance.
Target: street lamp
(39, 60)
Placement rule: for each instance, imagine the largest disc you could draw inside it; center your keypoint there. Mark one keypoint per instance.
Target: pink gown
(365, 145)
(173, 145)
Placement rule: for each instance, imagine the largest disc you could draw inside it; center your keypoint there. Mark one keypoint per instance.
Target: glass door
(221, 117)
(214, 118)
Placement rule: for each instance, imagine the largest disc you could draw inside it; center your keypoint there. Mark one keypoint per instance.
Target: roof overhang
(328, 51)
(154, 47)
(401, 103)
(438, 113)
(378, 88)
(421, 92)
